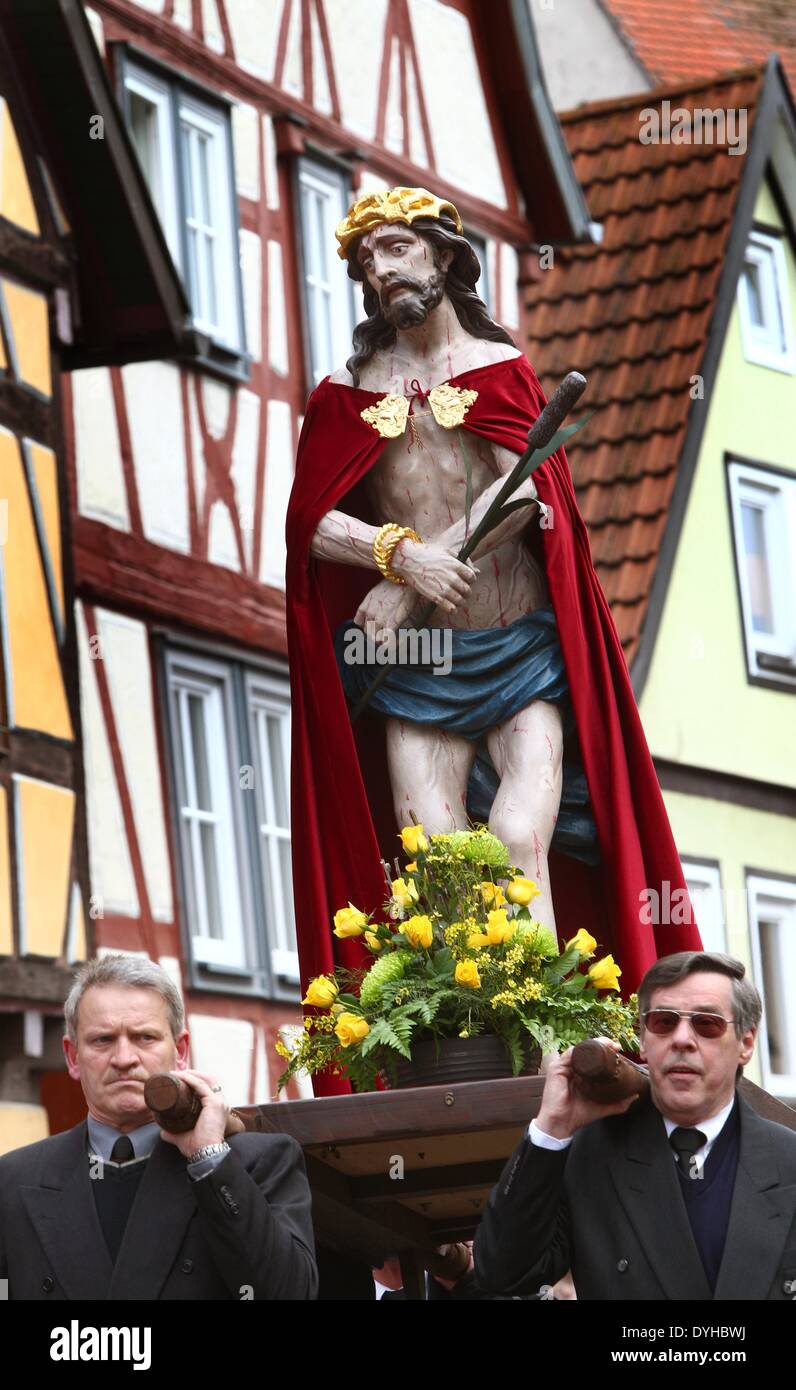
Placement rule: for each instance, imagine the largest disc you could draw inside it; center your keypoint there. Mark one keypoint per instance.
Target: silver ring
(215, 1088)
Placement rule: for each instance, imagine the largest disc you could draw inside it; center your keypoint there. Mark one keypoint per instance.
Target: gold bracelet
(387, 538)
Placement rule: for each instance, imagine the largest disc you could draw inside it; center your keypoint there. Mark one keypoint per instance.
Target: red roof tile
(687, 39)
(633, 314)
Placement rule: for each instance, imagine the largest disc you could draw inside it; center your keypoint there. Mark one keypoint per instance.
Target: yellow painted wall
(21, 1124)
(698, 707)
(739, 839)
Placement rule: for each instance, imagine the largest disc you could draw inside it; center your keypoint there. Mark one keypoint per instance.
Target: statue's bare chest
(421, 477)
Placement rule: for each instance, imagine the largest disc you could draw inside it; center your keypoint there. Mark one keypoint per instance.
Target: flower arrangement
(458, 954)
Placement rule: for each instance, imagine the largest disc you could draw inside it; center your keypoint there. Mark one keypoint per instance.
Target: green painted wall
(698, 707)
(739, 839)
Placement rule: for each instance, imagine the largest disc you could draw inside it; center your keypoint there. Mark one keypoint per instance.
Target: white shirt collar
(710, 1128)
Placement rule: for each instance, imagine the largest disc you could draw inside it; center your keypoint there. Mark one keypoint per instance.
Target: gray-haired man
(688, 1195)
(117, 1209)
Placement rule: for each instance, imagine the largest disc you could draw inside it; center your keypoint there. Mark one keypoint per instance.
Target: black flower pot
(444, 1061)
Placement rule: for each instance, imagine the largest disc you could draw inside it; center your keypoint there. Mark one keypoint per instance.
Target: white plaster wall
(269, 160)
(97, 28)
(125, 646)
(222, 547)
(109, 861)
(244, 464)
(254, 25)
(246, 143)
(223, 1047)
(583, 57)
(321, 95)
(101, 492)
(251, 276)
(461, 132)
(356, 34)
(278, 482)
(213, 35)
(277, 313)
(154, 410)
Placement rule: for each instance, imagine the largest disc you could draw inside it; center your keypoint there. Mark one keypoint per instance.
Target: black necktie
(122, 1151)
(686, 1142)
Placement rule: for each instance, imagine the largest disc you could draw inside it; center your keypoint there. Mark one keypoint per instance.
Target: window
(229, 731)
(483, 288)
(766, 321)
(764, 524)
(703, 881)
(772, 921)
(184, 146)
(323, 195)
(269, 714)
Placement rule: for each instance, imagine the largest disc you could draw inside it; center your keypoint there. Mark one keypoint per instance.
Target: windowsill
(201, 352)
(243, 982)
(773, 671)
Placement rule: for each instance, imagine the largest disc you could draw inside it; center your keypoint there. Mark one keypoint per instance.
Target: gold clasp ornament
(449, 405)
(388, 416)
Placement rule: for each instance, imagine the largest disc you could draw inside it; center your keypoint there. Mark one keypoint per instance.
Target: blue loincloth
(495, 672)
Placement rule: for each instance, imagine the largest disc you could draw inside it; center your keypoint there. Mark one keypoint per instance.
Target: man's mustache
(402, 283)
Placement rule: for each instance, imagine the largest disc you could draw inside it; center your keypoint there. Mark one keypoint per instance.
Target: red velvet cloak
(342, 818)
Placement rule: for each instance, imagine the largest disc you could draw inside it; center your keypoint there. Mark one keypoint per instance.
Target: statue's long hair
(461, 276)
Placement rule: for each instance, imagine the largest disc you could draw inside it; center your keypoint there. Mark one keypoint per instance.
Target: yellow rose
(498, 927)
(467, 974)
(411, 868)
(413, 839)
(375, 943)
(582, 942)
(605, 973)
(321, 992)
(404, 893)
(349, 921)
(350, 1028)
(522, 891)
(477, 940)
(492, 894)
(418, 931)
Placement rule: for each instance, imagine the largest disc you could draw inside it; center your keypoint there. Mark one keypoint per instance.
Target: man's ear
(747, 1046)
(182, 1044)
(445, 258)
(70, 1053)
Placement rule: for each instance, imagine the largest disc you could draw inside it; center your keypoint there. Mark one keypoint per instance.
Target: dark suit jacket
(610, 1208)
(247, 1223)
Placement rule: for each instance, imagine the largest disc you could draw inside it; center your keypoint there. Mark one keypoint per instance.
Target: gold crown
(391, 205)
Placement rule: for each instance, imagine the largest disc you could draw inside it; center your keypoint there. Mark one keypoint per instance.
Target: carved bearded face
(405, 271)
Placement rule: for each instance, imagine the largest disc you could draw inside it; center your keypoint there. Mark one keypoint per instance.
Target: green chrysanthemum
(381, 973)
(544, 940)
(480, 847)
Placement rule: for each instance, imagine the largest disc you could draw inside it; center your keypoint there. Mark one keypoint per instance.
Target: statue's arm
(454, 537)
(428, 568)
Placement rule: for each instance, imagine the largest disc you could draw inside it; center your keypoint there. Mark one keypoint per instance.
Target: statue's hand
(387, 606)
(433, 571)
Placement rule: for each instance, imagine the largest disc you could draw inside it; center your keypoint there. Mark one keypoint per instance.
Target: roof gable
(642, 314)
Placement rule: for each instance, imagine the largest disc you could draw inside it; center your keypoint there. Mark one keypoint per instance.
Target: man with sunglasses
(686, 1193)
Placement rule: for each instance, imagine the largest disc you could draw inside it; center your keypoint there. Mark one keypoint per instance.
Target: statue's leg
(527, 753)
(429, 769)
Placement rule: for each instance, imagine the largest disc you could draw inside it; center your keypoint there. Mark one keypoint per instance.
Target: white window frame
(142, 83)
(704, 886)
(179, 109)
(777, 898)
(317, 181)
(204, 122)
(268, 695)
(775, 495)
(772, 343)
(211, 682)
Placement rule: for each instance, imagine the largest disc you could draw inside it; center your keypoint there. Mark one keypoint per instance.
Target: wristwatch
(209, 1151)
